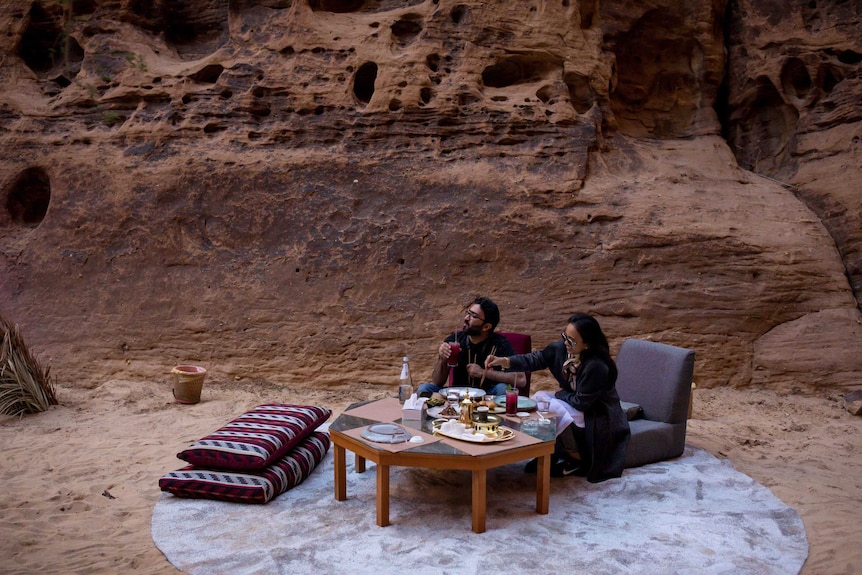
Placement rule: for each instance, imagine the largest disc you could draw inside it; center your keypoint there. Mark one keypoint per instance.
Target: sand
(80, 481)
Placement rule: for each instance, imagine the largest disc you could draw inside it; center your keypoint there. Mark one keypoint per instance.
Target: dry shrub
(25, 386)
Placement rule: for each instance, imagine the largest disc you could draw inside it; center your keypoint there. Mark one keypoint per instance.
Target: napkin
(414, 402)
(414, 408)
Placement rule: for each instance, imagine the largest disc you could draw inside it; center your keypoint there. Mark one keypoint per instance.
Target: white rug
(694, 514)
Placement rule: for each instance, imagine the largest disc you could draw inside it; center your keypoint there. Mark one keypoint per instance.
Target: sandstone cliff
(302, 191)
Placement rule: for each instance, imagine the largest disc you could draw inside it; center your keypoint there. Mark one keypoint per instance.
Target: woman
(592, 429)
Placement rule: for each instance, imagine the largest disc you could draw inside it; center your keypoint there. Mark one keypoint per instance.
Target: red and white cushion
(256, 439)
(250, 486)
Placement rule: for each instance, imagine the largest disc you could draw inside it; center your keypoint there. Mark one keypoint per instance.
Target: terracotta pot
(188, 382)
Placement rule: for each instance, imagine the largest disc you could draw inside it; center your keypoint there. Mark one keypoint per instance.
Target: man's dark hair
(491, 311)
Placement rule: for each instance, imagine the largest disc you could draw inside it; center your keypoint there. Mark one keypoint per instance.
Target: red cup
(455, 348)
(511, 401)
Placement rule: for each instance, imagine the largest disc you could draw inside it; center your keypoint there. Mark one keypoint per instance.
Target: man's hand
(475, 370)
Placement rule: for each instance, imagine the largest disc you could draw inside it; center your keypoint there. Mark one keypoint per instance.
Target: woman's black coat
(595, 394)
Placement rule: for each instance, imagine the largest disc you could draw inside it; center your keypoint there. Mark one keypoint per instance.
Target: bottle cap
(406, 358)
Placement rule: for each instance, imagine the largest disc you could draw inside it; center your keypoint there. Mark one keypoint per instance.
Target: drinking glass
(543, 408)
(511, 401)
(455, 348)
(452, 361)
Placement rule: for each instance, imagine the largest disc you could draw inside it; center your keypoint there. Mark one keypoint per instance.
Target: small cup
(482, 414)
(453, 427)
(543, 405)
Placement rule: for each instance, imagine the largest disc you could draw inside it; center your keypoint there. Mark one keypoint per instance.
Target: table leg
(340, 473)
(543, 484)
(479, 500)
(382, 495)
(359, 464)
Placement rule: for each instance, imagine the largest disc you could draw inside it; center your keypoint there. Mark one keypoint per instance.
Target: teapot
(466, 411)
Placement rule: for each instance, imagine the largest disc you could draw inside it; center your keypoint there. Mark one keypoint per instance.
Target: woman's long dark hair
(593, 336)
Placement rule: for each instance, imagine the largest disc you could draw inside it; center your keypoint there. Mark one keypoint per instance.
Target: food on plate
(434, 401)
(448, 410)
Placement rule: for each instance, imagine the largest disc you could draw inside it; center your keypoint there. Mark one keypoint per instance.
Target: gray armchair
(657, 377)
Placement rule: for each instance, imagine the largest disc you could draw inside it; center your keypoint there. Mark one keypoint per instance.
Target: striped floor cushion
(250, 486)
(256, 439)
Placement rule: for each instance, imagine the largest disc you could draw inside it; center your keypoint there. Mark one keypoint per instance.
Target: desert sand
(80, 480)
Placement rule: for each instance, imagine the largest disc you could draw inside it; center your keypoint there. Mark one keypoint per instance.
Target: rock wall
(303, 191)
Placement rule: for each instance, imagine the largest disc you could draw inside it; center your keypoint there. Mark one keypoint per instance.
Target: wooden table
(444, 454)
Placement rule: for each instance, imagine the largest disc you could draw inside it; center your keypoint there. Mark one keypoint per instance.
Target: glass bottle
(405, 382)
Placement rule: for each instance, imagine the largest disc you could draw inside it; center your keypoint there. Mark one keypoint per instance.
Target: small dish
(386, 433)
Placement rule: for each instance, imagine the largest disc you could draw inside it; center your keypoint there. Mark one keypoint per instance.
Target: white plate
(435, 412)
(475, 392)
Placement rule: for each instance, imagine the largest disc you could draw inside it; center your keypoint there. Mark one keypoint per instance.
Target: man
(477, 341)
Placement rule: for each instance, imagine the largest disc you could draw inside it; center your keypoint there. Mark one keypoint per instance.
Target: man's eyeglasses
(474, 315)
(569, 341)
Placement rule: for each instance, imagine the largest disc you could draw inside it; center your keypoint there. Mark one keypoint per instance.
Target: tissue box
(414, 412)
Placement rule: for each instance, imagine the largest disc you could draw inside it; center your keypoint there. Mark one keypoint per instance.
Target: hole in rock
(337, 6)
(425, 94)
(544, 94)
(458, 13)
(209, 74)
(407, 28)
(432, 61)
(828, 78)
(395, 105)
(465, 99)
(795, 80)
(144, 8)
(363, 82)
(588, 9)
(520, 69)
(83, 7)
(580, 92)
(849, 57)
(46, 48)
(28, 197)
(196, 30)
(761, 129)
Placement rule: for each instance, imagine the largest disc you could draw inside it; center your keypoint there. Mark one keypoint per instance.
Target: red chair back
(521, 343)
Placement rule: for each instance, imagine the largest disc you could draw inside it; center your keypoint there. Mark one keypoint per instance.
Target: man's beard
(472, 330)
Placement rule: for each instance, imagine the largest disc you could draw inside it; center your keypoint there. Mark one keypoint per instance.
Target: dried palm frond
(25, 386)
